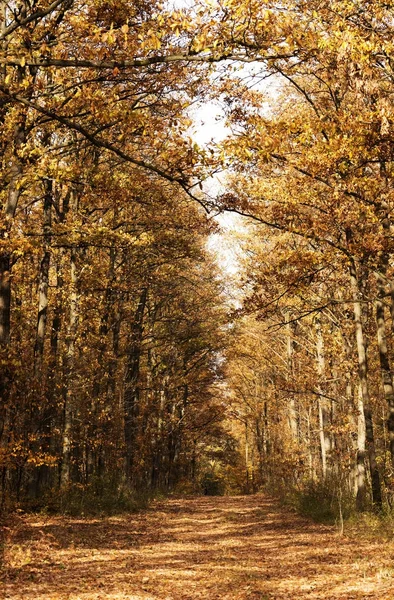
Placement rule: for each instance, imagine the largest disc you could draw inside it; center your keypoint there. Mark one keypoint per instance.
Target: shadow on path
(243, 547)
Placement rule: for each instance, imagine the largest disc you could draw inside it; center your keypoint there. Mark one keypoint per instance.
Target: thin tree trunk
(384, 359)
(172, 445)
(260, 434)
(392, 304)
(290, 377)
(5, 298)
(105, 322)
(113, 365)
(69, 372)
(51, 412)
(364, 403)
(323, 406)
(361, 488)
(13, 194)
(44, 277)
(131, 391)
(158, 450)
(311, 467)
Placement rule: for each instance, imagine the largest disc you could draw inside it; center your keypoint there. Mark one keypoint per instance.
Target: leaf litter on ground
(230, 548)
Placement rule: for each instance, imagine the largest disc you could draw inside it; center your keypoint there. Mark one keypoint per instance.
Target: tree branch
(100, 143)
(135, 63)
(35, 16)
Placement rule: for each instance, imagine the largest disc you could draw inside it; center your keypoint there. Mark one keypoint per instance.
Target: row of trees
(315, 176)
(111, 318)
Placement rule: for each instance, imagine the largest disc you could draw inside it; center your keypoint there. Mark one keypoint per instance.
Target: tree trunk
(384, 359)
(44, 277)
(247, 476)
(13, 194)
(158, 449)
(5, 299)
(309, 440)
(323, 405)
(105, 323)
(113, 364)
(131, 390)
(260, 434)
(360, 460)
(293, 421)
(69, 372)
(364, 402)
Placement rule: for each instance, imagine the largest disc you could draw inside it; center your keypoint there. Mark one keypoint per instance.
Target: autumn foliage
(120, 368)
(111, 319)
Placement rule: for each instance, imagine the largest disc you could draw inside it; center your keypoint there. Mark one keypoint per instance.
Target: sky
(181, 3)
(209, 126)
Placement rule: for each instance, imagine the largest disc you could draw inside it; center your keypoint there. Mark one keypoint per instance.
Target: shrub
(212, 485)
(322, 502)
(98, 497)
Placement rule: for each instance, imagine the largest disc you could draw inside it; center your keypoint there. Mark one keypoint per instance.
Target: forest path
(229, 547)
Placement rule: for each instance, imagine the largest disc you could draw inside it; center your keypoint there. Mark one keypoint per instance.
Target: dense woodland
(131, 361)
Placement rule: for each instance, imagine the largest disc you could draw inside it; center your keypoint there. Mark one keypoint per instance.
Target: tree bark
(44, 276)
(131, 391)
(364, 401)
(105, 321)
(293, 421)
(5, 299)
(385, 366)
(12, 197)
(69, 372)
(13, 194)
(324, 408)
(361, 488)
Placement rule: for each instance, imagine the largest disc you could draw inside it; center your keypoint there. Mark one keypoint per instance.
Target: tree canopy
(124, 362)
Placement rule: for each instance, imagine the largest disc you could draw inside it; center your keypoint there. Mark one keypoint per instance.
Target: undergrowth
(320, 503)
(98, 497)
(370, 525)
(323, 504)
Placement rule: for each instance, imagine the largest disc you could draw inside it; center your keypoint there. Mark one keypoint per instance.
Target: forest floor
(244, 547)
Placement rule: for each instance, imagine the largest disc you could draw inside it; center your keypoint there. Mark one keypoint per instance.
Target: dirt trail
(229, 548)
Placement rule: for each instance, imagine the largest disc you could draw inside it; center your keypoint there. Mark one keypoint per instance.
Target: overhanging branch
(134, 63)
(100, 143)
